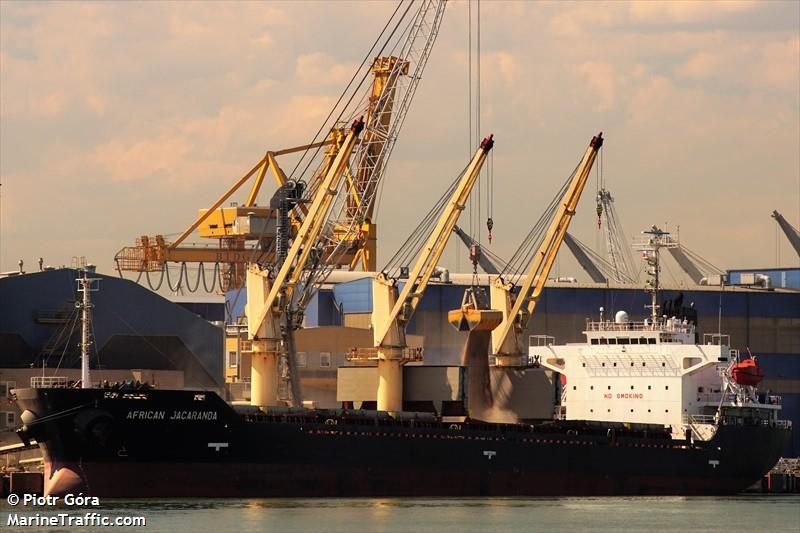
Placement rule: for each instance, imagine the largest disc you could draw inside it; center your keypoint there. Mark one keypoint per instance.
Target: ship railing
(361, 355)
(48, 382)
(669, 325)
(538, 341)
(698, 419)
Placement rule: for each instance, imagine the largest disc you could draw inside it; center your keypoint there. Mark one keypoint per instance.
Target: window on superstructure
(603, 340)
(595, 341)
(302, 359)
(324, 359)
(642, 340)
(634, 341)
(612, 340)
(233, 360)
(651, 340)
(623, 340)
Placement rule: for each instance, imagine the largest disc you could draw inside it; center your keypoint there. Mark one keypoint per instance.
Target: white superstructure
(653, 372)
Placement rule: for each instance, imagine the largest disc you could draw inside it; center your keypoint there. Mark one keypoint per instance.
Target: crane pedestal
(264, 380)
(390, 382)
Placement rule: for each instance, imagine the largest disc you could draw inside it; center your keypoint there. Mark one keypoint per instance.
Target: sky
(120, 119)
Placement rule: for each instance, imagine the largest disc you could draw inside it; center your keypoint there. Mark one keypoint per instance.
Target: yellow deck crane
(245, 232)
(515, 307)
(392, 309)
(269, 288)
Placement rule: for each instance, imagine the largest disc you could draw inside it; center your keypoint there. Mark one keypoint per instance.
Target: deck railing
(48, 382)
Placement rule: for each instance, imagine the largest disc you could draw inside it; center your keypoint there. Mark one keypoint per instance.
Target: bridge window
(603, 340)
(612, 341)
(595, 341)
(623, 340)
(651, 340)
(634, 341)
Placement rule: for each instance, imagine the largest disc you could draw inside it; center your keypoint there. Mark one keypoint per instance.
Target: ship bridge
(670, 330)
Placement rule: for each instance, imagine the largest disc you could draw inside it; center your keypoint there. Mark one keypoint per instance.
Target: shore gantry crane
(245, 232)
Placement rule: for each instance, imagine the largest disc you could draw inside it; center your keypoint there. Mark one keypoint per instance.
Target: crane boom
(791, 232)
(505, 341)
(309, 231)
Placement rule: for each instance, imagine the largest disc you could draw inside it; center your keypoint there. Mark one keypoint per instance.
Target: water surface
(752, 513)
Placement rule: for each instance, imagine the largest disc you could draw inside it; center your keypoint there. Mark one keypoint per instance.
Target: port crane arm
(791, 232)
(504, 338)
(291, 269)
(420, 275)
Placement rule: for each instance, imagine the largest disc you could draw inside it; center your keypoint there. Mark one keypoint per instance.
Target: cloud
(319, 69)
(161, 106)
(686, 10)
(600, 77)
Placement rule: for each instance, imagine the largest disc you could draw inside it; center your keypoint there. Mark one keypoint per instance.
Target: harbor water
(752, 513)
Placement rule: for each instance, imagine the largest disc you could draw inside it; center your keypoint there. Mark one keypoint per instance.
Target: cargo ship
(645, 410)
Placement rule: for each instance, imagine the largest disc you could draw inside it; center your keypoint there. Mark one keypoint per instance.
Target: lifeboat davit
(747, 372)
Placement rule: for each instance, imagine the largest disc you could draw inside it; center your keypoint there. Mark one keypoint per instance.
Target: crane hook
(489, 226)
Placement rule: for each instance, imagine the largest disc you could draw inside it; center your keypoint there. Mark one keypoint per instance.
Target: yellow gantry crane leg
(391, 312)
(506, 343)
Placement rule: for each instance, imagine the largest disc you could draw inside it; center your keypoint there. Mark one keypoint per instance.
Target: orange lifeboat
(747, 372)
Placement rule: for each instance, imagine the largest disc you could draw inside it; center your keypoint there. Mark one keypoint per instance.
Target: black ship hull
(155, 443)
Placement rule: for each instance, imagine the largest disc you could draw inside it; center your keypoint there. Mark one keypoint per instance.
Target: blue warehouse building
(133, 328)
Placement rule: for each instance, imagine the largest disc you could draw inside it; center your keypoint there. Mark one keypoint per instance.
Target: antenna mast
(86, 286)
(650, 247)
